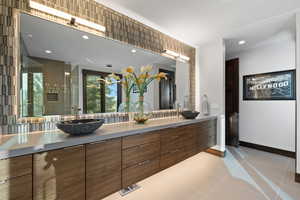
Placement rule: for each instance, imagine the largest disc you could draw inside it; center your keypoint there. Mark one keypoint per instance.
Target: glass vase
(142, 111)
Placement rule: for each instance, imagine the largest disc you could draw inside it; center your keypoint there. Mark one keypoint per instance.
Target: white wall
(182, 82)
(210, 78)
(212, 75)
(298, 93)
(268, 123)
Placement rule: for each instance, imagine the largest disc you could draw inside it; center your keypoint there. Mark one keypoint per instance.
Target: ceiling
(262, 33)
(197, 22)
(67, 44)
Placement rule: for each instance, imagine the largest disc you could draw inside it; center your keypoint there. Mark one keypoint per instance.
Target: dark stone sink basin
(188, 114)
(80, 127)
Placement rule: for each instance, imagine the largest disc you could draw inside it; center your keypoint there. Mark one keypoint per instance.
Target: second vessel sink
(189, 114)
(80, 127)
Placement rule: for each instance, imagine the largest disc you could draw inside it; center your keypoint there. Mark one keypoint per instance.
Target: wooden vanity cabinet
(140, 139)
(59, 174)
(103, 168)
(94, 171)
(16, 178)
(139, 172)
(177, 144)
(140, 157)
(206, 135)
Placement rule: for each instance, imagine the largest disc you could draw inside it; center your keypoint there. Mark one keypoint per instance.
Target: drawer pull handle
(144, 163)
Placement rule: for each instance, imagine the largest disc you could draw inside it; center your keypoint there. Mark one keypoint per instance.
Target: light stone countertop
(13, 145)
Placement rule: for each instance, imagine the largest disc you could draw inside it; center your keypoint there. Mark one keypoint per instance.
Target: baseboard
(216, 152)
(297, 178)
(269, 149)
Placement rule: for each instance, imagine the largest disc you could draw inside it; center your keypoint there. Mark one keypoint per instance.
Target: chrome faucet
(76, 111)
(178, 107)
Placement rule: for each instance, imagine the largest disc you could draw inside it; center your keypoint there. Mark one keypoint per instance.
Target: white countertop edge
(74, 141)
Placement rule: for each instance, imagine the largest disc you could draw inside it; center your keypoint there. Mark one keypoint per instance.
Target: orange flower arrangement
(141, 80)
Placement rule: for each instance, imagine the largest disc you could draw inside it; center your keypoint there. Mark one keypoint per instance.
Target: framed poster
(270, 86)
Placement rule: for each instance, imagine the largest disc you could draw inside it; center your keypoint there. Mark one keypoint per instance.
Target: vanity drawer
(175, 156)
(177, 139)
(177, 132)
(139, 172)
(207, 133)
(212, 140)
(19, 188)
(59, 174)
(134, 155)
(15, 167)
(171, 158)
(190, 150)
(211, 124)
(139, 139)
(102, 185)
(206, 141)
(103, 168)
(103, 156)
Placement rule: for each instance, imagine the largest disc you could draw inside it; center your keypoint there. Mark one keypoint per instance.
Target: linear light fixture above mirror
(171, 53)
(176, 55)
(183, 57)
(66, 16)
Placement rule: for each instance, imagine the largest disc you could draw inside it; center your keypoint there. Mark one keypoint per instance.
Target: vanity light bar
(183, 57)
(171, 53)
(66, 16)
(176, 55)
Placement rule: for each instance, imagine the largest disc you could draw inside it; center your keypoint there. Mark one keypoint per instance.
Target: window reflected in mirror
(98, 96)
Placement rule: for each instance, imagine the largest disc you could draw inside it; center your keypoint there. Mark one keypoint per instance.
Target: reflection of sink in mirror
(81, 126)
(62, 68)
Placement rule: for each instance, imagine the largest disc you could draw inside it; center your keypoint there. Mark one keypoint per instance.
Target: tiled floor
(244, 174)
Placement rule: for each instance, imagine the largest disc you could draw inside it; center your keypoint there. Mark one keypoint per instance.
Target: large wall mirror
(61, 68)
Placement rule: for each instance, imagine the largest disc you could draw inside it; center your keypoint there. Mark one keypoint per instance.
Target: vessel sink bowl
(80, 127)
(188, 114)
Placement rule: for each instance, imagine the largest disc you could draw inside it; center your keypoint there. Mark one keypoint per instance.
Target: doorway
(232, 101)
(167, 90)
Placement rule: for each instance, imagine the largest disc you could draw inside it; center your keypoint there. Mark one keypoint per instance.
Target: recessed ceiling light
(242, 42)
(133, 51)
(89, 60)
(85, 37)
(48, 51)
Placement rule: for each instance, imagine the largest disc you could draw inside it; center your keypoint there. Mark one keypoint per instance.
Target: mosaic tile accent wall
(118, 27)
